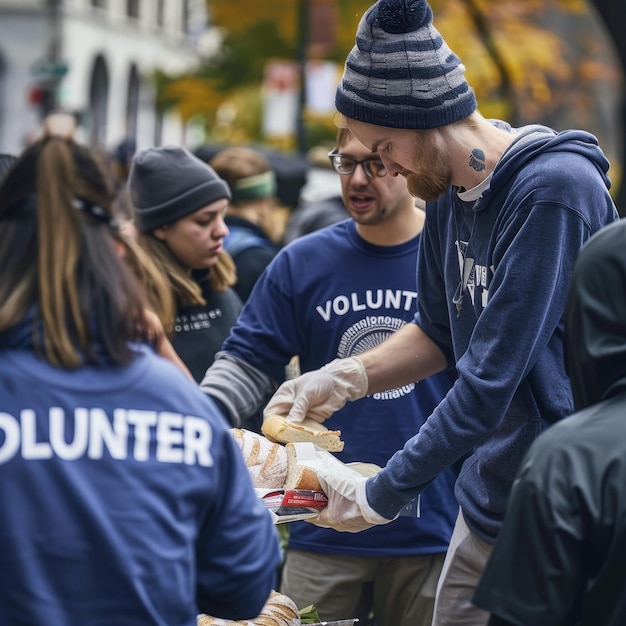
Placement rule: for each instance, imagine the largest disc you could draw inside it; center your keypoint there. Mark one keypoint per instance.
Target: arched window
(132, 102)
(132, 8)
(160, 13)
(3, 102)
(98, 101)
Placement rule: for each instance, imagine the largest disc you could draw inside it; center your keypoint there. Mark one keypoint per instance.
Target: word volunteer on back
(142, 435)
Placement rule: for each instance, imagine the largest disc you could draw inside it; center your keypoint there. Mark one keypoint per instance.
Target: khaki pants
(400, 590)
(462, 568)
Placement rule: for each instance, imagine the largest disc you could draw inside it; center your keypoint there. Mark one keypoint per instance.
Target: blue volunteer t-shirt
(331, 294)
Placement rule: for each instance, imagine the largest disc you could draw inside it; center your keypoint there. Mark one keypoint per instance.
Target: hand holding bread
(278, 429)
(344, 485)
(275, 466)
(320, 393)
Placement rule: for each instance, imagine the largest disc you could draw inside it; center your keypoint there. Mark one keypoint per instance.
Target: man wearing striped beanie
(507, 212)
(401, 73)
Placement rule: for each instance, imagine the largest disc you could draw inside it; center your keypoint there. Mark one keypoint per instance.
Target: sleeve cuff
(382, 498)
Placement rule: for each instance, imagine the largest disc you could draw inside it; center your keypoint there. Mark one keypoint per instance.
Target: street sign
(49, 69)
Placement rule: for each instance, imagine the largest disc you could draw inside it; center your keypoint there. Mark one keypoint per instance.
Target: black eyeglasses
(346, 165)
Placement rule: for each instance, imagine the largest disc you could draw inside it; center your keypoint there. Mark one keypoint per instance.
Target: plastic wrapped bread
(266, 460)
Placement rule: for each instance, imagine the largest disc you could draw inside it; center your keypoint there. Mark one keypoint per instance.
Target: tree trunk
(613, 14)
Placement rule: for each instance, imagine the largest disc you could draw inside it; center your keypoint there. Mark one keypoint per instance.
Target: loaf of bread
(276, 428)
(266, 460)
(299, 477)
(279, 610)
(275, 466)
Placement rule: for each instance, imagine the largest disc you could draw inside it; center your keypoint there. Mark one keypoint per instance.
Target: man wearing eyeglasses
(320, 202)
(335, 293)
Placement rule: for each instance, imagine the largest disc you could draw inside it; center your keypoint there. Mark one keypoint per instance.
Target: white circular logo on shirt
(368, 333)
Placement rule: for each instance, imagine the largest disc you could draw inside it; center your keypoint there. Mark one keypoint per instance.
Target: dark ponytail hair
(62, 255)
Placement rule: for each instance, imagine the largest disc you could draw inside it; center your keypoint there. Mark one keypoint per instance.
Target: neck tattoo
(477, 160)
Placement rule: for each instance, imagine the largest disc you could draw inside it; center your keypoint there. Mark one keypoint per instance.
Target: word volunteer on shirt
(142, 435)
(397, 299)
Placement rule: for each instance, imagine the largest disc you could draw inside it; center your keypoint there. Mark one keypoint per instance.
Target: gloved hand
(319, 393)
(348, 509)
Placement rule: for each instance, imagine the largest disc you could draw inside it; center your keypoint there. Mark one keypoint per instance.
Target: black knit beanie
(168, 183)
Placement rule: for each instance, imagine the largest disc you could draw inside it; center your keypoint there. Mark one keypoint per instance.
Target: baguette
(277, 429)
(266, 461)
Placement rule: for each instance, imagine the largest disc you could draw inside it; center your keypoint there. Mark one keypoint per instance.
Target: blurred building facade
(97, 58)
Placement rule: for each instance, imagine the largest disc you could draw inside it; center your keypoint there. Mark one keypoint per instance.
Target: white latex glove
(348, 509)
(319, 393)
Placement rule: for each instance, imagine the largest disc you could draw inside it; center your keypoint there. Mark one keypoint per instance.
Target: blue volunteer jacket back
(123, 498)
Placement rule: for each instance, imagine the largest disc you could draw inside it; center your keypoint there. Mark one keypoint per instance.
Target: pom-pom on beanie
(401, 73)
(168, 183)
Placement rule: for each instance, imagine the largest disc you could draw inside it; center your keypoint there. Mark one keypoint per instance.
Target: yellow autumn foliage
(533, 69)
(194, 96)
(528, 50)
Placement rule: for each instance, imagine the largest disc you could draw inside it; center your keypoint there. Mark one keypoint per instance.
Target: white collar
(471, 195)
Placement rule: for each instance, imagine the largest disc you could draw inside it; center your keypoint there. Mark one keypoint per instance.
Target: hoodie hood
(535, 139)
(21, 337)
(595, 318)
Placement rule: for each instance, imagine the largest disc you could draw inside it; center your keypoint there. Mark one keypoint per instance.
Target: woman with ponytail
(124, 499)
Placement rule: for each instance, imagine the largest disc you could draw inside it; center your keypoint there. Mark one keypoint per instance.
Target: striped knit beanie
(401, 73)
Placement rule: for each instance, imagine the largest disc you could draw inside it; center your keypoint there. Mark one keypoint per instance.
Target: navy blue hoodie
(518, 243)
(559, 558)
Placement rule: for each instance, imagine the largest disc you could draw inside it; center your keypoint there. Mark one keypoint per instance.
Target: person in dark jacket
(124, 498)
(559, 558)
(179, 203)
(250, 212)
